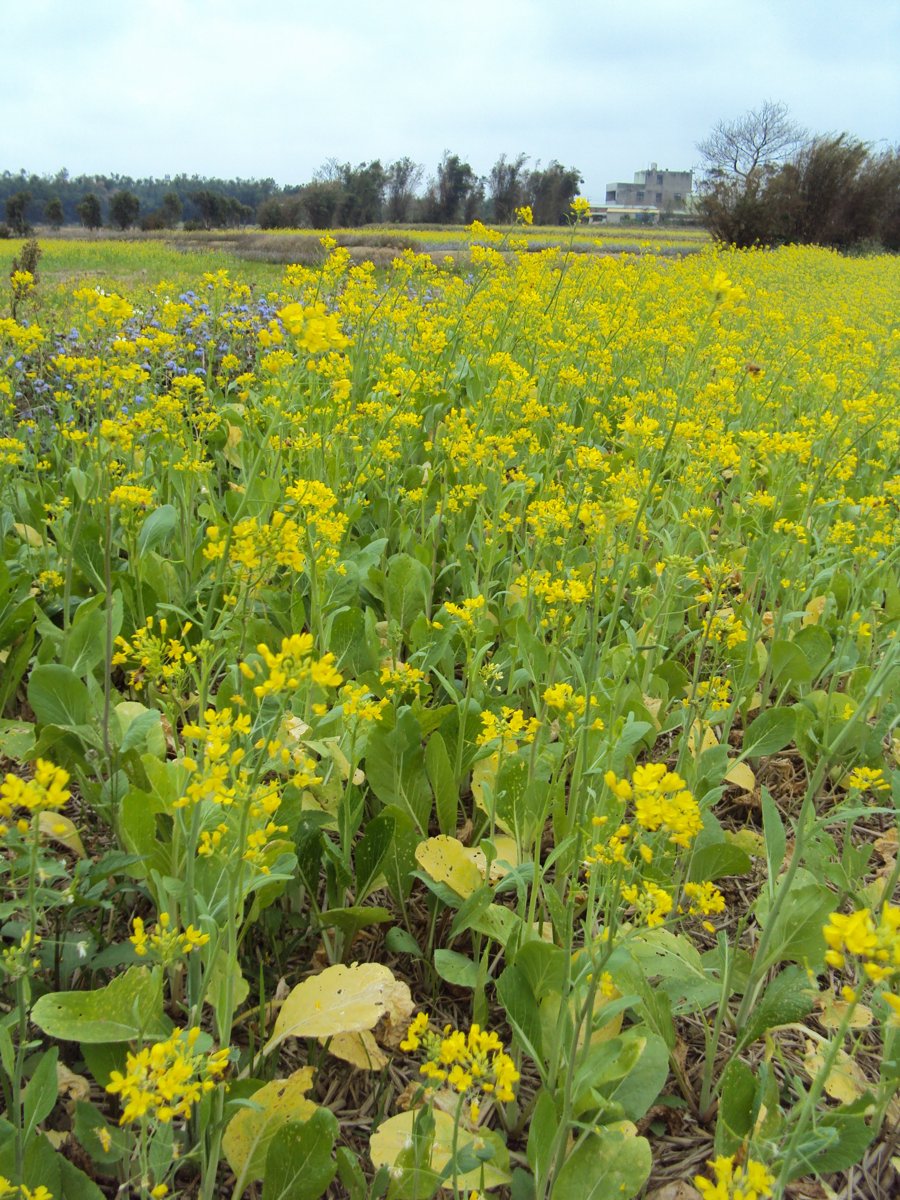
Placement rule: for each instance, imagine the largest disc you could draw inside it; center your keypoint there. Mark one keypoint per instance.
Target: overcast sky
(276, 87)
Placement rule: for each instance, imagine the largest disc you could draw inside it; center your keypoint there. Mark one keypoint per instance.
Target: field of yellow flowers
(448, 726)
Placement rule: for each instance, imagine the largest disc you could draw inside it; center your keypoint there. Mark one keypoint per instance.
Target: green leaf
(797, 935)
(40, 1092)
(715, 861)
(776, 838)
(85, 644)
(769, 733)
(351, 1175)
(299, 1165)
(157, 528)
(542, 1133)
(94, 1132)
(127, 1009)
(443, 783)
(646, 1078)
(371, 851)
(522, 1011)
(787, 1000)
(608, 1164)
(348, 641)
(737, 1107)
(456, 968)
(816, 645)
(407, 589)
(75, 1184)
(395, 768)
(57, 696)
(789, 663)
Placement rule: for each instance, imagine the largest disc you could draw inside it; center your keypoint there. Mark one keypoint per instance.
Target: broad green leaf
(456, 968)
(299, 1163)
(787, 999)
(157, 528)
(776, 839)
(40, 1091)
(443, 783)
(407, 588)
(611, 1163)
(57, 696)
(371, 852)
(127, 1009)
(715, 861)
(769, 733)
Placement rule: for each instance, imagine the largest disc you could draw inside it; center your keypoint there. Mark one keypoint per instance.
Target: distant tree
(89, 213)
(453, 193)
(402, 178)
(170, 210)
(123, 209)
(741, 157)
(53, 212)
(550, 192)
(17, 213)
(210, 206)
(321, 199)
(506, 187)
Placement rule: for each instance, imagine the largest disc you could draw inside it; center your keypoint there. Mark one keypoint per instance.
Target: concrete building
(665, 191)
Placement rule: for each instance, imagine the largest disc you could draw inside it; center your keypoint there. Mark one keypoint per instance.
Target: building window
(659, 197)
(659, 180)
(611, 197)
(678, 197)
(639, 197)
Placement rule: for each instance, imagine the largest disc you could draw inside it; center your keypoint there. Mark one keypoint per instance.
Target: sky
(277, 87)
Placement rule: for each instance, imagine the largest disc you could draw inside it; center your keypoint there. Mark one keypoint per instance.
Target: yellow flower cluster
(154, 657)
(165, 942)
(571, 705)
(661, 801)
(46, 790)
(131, 495)
(874, 943)
(470, 1063)
(511, 727)
(21, 1191)
(165, 1080)
(285, 670)
(750, 1181)
(313, 327)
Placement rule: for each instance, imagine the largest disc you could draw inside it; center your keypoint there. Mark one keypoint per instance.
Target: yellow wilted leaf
(748, 840)
(399, 1009)
(339, 1000)
(507, 857)
(741, 776)
(814, 610)
(250, 1131)
(77, 1087)
(359, 1049)
(485, 772)
(834, 1011)
(61, 829)
(846, 1080)
(701, 737)
(28, 535)
(448, 861)
(393, 1136)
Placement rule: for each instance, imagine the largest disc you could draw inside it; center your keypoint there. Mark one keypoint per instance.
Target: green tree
(123, 209)
(453, 193)
(17, 213)
(53, 212)
(506, 187)
(402, 178)
(170, 210)
(550, 192)
(89, 211)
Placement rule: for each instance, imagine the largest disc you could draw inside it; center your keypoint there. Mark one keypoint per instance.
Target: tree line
(339, 194)
(769, 182)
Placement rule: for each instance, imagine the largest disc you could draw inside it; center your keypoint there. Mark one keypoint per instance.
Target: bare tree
(762, 138)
